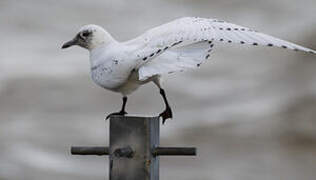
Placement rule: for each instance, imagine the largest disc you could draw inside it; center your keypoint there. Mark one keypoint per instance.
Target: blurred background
(251, 112)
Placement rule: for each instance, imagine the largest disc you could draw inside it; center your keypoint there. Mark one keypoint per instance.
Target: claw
(121, 113)
(166, 114)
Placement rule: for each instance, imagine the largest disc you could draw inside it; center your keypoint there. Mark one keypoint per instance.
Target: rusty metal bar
(80, 150)
(174, 151)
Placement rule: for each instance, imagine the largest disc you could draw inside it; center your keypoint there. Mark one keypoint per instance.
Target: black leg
(122, 112)
(124, 104)
(167, 113)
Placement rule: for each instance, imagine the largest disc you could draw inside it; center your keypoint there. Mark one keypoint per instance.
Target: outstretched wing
(185, 43)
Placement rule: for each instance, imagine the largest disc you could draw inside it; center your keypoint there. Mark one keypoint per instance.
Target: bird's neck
(101, 39)
(99, 53)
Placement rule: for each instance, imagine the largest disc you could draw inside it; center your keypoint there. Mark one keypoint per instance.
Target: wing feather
(167, 44)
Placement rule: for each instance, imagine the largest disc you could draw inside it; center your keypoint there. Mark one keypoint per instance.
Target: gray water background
(249, 111)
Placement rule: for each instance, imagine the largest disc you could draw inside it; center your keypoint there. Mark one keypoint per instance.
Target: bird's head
(89, 37)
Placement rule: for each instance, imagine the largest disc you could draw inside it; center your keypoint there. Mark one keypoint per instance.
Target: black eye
(85, 34)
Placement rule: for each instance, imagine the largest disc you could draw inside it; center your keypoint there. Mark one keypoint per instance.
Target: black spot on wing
(242, 42)
(270, 45)
(284, 46)
(207, 56)
(152, 54)
(174, 44)
(255, 44)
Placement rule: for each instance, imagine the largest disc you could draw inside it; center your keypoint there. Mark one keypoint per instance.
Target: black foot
(166, 115)
(122, 113)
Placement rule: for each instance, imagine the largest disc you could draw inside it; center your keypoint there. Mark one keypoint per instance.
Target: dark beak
(69, 43)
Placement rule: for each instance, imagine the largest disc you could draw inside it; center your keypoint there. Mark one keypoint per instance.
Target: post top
(133, 117)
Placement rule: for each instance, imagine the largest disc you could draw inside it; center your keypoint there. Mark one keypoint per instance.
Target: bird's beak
(69, 43)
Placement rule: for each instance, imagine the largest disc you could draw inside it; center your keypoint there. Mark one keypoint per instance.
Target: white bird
(176, 46)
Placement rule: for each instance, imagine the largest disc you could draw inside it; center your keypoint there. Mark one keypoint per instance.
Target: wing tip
(312, 52)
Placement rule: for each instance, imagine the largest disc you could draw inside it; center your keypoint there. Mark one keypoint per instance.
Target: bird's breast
(109, 76)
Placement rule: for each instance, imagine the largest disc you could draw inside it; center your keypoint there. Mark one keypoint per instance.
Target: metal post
(141, 134)
(134, 148)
